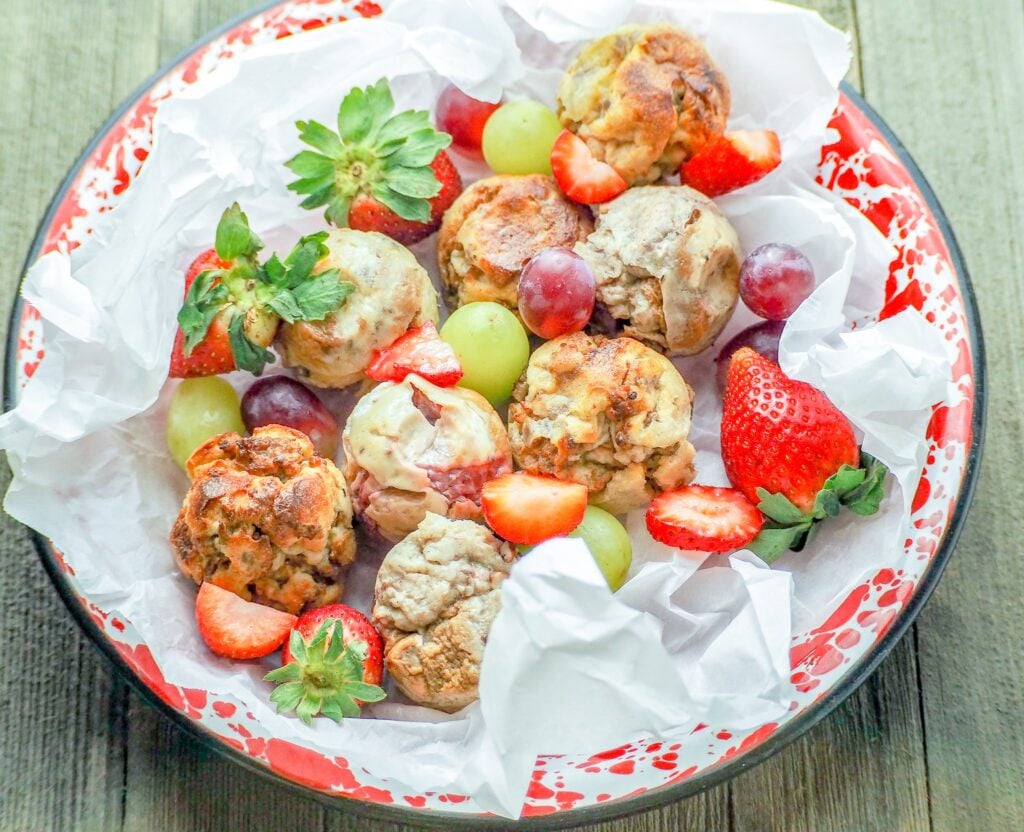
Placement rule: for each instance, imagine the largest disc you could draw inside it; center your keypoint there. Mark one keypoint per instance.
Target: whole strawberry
(233, 303)
(792, 453)
(332, 665)
(380, 171)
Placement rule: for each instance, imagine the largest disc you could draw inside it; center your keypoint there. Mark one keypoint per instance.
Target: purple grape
(774, 280)
(762, 338)
(556, 293)
(279, 400)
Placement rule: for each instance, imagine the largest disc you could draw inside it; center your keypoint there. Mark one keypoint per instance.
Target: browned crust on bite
(436, 594)
(666, 262)
(494, 227)
(644, 98)
(267, 519)
(608, 413)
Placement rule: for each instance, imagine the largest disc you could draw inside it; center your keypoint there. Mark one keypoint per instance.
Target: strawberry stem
(325, 676)
(787, 528)
(373, 153)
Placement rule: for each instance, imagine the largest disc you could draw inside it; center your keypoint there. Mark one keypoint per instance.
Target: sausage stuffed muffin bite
(393, 293)
(267, 519)
(437, 593)
(608, 413)
(494, 227)
(412, 447)
(644, 98)
(667, 263)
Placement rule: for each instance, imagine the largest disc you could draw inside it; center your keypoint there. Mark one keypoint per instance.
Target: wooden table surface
(933, 741)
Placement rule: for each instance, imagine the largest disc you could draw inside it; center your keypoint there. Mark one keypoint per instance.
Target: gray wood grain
(862, 769)
(78, 752)
(963, 119)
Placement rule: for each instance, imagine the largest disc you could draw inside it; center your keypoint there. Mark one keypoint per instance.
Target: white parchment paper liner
(570, 668)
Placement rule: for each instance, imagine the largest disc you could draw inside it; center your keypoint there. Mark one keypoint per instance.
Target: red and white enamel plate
(866, 165)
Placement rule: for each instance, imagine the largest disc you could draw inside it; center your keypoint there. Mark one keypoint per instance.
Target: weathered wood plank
(947, 76)
(61, 724)
(862, 769)
(174, 784)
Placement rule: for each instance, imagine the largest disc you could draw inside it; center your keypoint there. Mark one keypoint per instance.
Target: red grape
(279, 400)
(556, 293)
(774, 280)
(762, 338)
(464, 119)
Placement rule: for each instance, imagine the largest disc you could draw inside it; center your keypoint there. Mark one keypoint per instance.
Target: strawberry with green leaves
(234, 304)
(792, 453)
(332, 665)
(380, 171)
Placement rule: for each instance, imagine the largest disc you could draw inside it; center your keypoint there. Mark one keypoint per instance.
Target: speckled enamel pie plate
(866, 165)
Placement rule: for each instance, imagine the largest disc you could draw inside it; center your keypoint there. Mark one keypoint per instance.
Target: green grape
(518, 137)
(492, 348)
(608, 543)
(201, 408)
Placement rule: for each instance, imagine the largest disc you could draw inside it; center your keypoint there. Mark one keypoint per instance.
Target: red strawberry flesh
(420, 351)
(731, 161)
(239, 629)
(527, 508)
(582, 177)
(705, 518)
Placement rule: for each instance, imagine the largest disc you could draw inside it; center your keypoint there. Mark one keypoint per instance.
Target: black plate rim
(654, 798)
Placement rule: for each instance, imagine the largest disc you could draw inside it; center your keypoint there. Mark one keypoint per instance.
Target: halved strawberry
(581, 177)
(528, 508)
(378, 172)
(703, 517)
(233, 304)
(239, 629)
(731, 161)
(332, 665)
(419, 351)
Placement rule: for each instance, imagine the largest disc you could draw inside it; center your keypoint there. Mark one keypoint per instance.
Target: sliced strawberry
(581, 177)
(704, 518)
(324, 674)
(420, 351)
(381, 171)
(239, 629)
(731, 161)
(527, 508)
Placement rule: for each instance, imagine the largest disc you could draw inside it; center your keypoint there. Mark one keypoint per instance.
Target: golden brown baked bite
(608, 413)
(437, 593)
(267, 519)
(666, 262)
(644, 98)
(413, 447)
(392, 293)
(494, 227)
